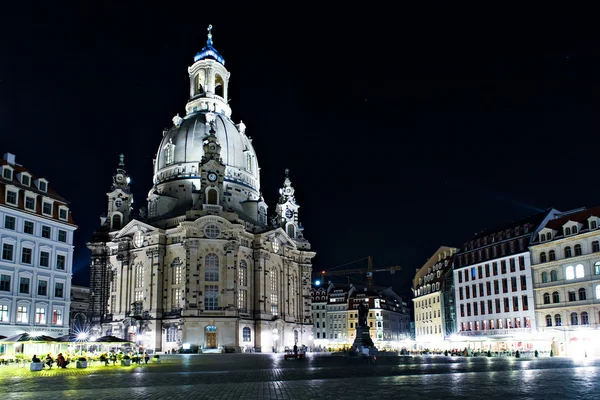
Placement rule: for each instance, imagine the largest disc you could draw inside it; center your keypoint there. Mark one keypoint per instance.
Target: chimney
(10, 158)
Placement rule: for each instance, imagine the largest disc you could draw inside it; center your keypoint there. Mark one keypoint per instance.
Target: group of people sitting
(61, 362)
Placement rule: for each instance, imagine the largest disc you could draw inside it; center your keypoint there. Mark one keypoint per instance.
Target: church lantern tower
(287, 209)
(120, 199)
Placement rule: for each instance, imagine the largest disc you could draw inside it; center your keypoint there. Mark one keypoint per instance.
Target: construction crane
(369, 272)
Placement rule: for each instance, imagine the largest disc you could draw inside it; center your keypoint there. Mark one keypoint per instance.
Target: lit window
(557, 320)
(40, 315)
(3, 313)
(246, 334)
(22, 315)
(570, 273)
(274, 297)
(171, 334)
(211, 297)
(211, 265)
(57, 318)
(579, 273)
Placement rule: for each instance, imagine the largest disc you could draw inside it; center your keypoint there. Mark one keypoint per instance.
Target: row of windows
(467, 291)
(10, 223)
(575, 319)
(478, 272)
(426, 302)
(568, 252)
(500, 306)
(23, 315)
(580, 295)
(12, 198)
(430, 314)
(492, 324)
(429, 330)
(25, 179)
(568, 231)
(492, 252)
(27, 255)
(42, 290)
(571, 273)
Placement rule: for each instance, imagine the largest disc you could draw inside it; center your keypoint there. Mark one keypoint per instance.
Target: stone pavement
(265, 376)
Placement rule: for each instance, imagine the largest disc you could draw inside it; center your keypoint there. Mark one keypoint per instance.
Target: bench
(36, 366)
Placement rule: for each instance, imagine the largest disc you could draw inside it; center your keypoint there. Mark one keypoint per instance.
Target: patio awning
(111, 339)
(26, 337)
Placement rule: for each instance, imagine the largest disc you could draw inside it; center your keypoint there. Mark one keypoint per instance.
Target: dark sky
(404, 129)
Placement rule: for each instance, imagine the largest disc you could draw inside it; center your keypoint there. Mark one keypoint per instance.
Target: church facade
(205, 267)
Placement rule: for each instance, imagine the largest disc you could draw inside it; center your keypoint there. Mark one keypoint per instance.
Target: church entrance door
(211, 340)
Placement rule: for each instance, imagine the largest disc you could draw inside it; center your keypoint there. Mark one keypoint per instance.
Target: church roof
(209, 51)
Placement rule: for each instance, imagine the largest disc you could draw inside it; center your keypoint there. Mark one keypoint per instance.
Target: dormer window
(12, 197)
(42, 185)
(543, 237)
(47, 208)
(574, 230)
(593, 225)
(7, 173)
(63, 213)
(567, 231)
(25, 180)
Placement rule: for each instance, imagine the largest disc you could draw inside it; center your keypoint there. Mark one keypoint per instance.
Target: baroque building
(434, 300)
(205, 267)
(565, 258)
(36, 260)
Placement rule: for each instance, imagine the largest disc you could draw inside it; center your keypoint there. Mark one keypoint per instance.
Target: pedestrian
(49, 361)
(295, 351)
(146, 357)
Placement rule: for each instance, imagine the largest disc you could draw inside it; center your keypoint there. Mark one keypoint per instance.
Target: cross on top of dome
(209, 51)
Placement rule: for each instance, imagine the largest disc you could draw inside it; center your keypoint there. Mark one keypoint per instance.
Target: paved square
(321, 376)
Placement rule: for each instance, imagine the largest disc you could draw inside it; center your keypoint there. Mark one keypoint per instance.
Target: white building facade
(204, 268)
(494, 288)
(566, 274)
(36, 235)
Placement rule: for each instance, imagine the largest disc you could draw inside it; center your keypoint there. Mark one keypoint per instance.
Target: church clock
(289, 213)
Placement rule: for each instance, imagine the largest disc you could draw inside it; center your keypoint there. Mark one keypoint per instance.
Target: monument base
(363, 338)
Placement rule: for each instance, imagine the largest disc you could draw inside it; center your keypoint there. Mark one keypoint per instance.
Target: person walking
(146, 357)
(295, 352)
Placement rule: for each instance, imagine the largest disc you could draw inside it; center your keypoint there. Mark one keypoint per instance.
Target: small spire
(209, 40)
(121, 160)
(287, 172)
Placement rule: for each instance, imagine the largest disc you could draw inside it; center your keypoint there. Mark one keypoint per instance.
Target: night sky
(404, 129)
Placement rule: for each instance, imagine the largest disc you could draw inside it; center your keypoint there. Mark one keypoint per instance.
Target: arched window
(211, 268)
(557, 320)
(243, 273)
(171, 334)
(168, 153)
(219, 86)
(574, 319)
(116, 221)
(579, 273)
(291, 231)
(543, 237)
(139, 275)
(574, 230)
(568, 252)
(595, 246)
(553, 276)
(544, 277)
(543, 257)
(570, 273)
(274, 290)
(598, 292)
(577, 249)
(552, 255)
(555, 297)
(593, 225)
(585, 320)
(567, 231)
(249, 162)
(200, 82)
(546, 298)
(548, 320)
(212, 196)
(582, 295)
(246, 334)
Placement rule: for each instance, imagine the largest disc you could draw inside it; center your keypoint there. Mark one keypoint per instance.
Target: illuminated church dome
(177, 178)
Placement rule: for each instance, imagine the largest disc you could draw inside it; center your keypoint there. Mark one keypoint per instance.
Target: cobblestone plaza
(262, 376)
